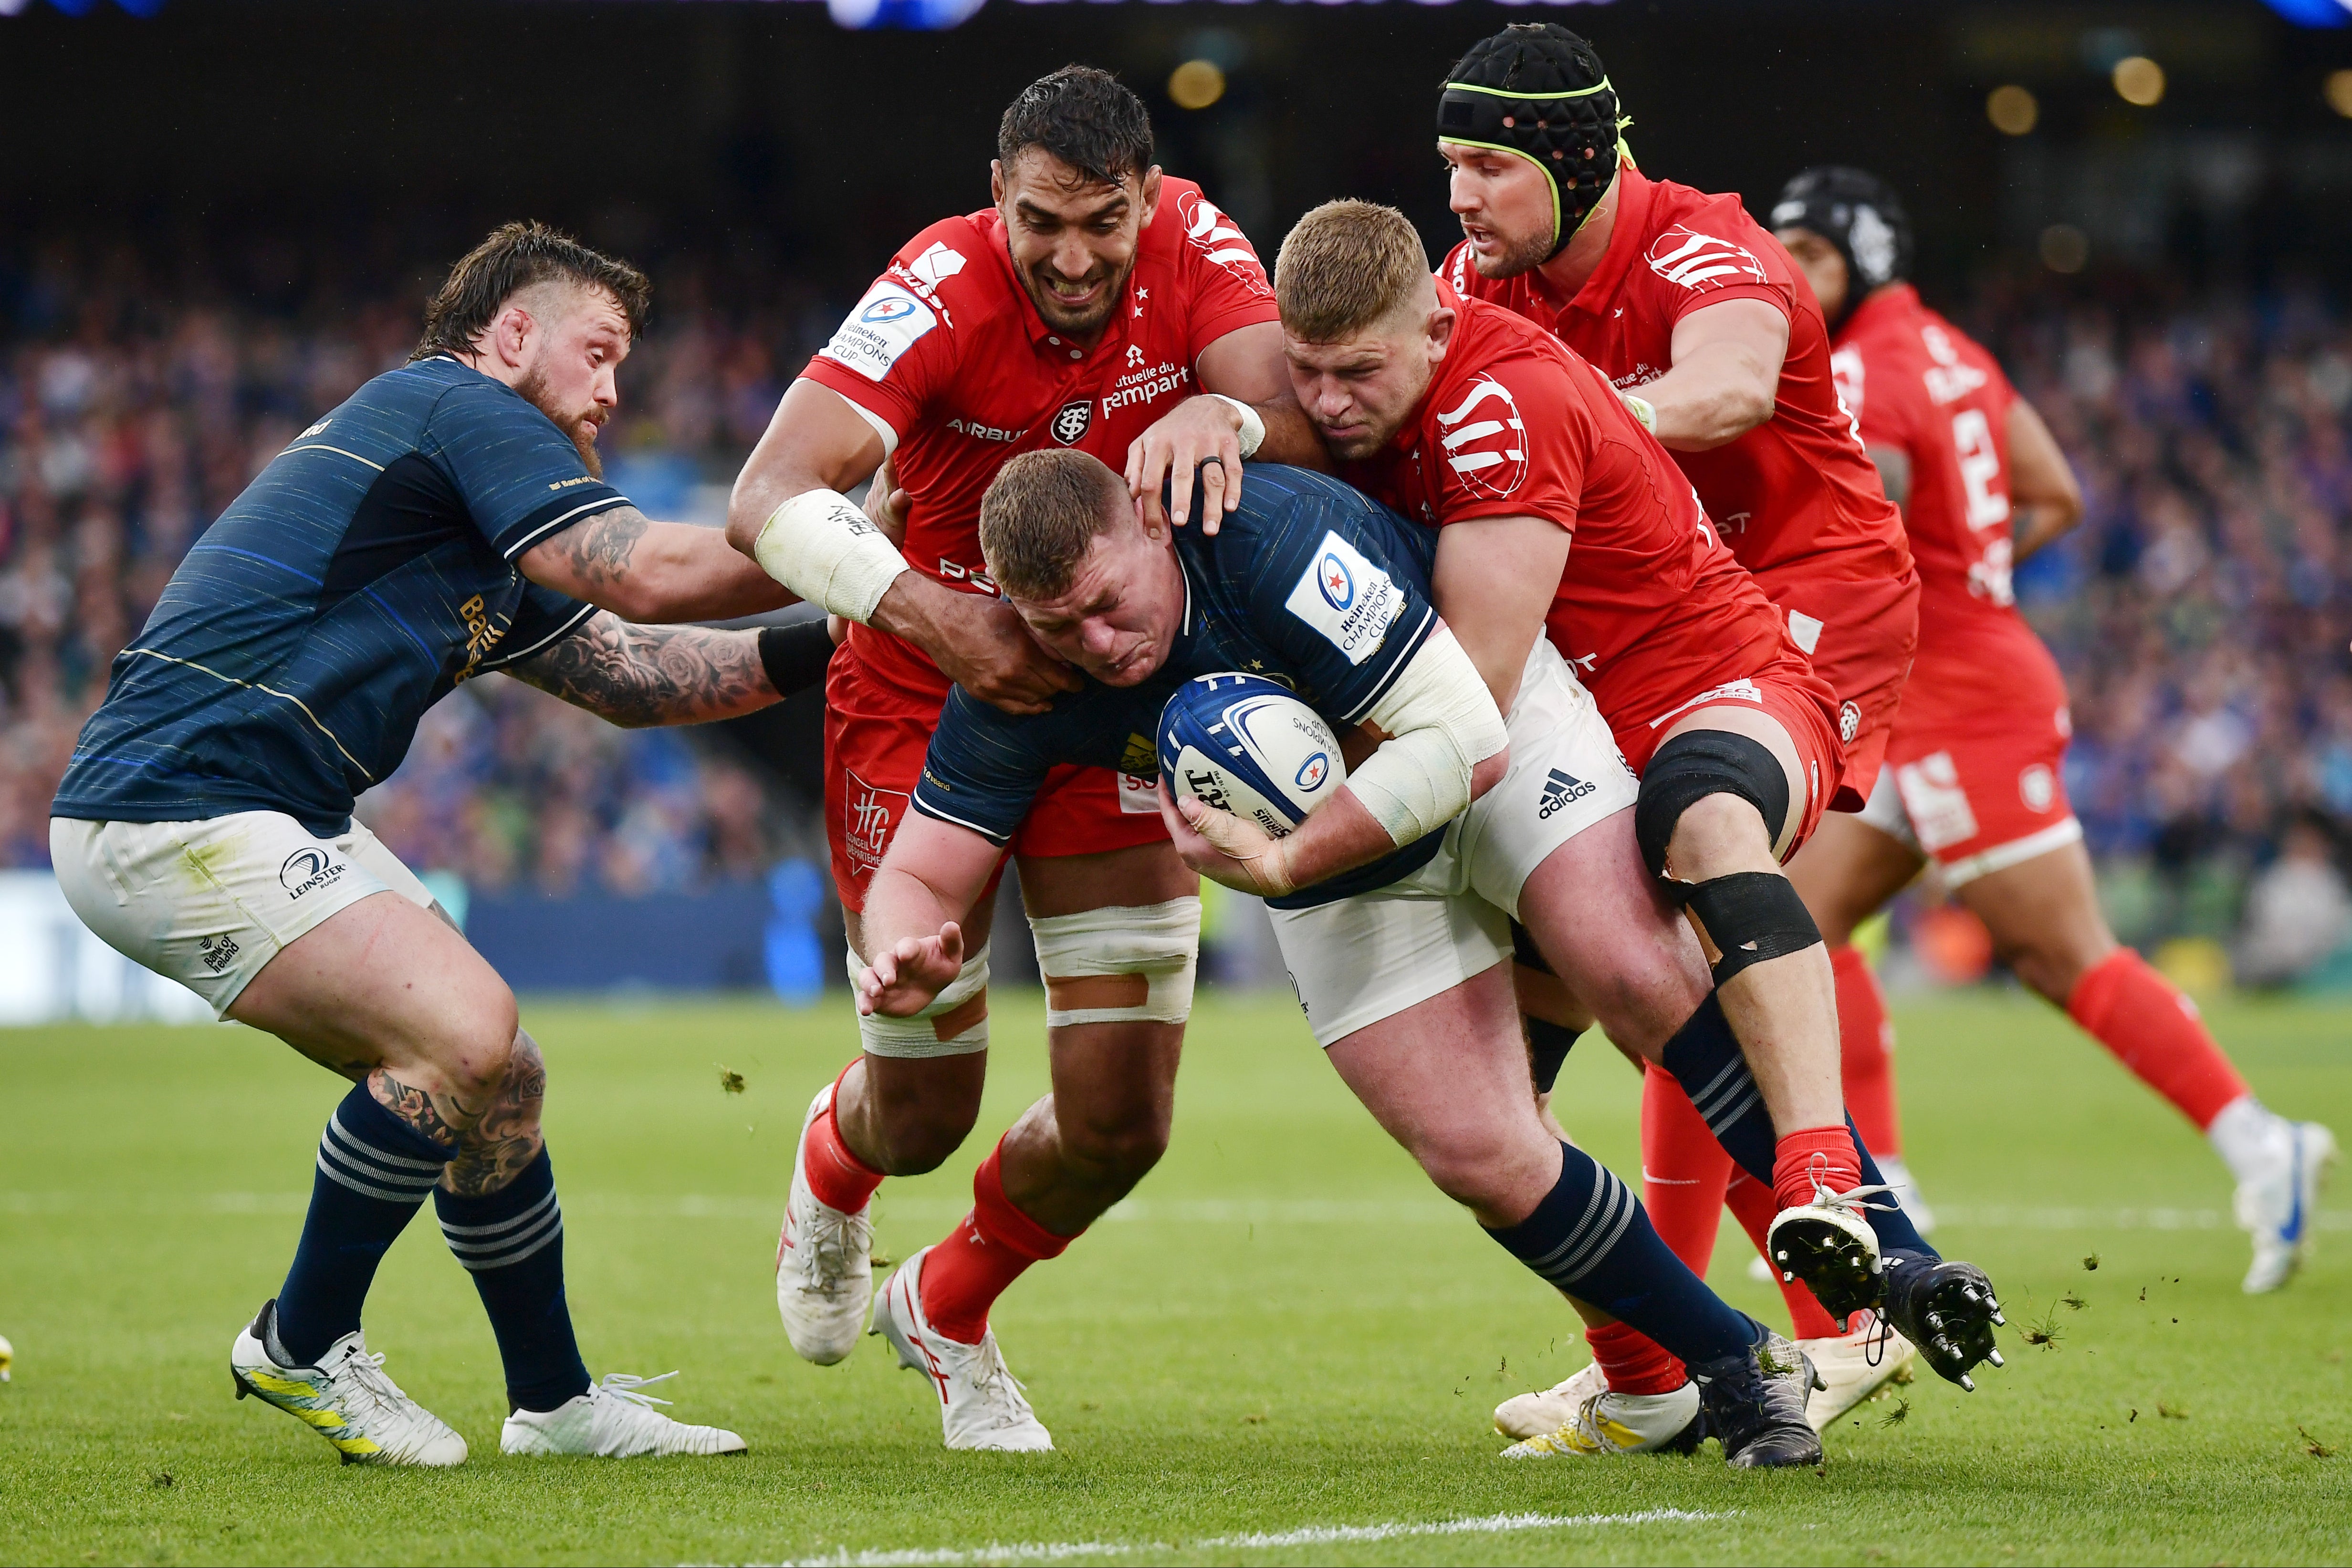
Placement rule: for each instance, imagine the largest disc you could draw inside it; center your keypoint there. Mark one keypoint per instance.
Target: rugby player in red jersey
(1559, 515)
(1092, 298)
(1974, 779)
(1696, 316)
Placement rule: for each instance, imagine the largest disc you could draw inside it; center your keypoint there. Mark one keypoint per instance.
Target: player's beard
(1061, 317)
(581, 427)
(1514, 255)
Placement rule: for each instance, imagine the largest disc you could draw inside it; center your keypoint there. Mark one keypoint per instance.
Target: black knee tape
(1752, 917)
(1699, 763)
(1524, 951)
(1548, 1047)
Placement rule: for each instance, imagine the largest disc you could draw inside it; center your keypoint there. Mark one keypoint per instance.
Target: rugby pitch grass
(1284, 1350)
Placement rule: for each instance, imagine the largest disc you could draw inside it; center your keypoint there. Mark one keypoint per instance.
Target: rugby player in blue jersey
(1392, 902)
(449, 520)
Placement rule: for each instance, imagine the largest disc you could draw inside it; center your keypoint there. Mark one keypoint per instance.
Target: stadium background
(220, 216)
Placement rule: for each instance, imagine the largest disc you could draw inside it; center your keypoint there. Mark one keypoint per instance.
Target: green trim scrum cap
(1536, 91)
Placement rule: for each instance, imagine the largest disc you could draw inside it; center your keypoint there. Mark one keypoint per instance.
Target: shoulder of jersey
(1701, 242)
(949, 265)
(1186, 217)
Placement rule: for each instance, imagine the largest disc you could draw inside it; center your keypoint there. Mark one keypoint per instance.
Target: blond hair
(1042, 512)
(1346, 265)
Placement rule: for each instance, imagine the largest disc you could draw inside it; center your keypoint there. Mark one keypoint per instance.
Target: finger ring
(1212, 458)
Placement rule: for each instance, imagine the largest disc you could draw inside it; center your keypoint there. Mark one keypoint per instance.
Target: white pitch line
(1308, 1535)
(1134, 1210)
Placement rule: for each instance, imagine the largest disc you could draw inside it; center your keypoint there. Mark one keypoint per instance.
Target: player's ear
(1441, 331)
(995, 182)
(1151, 193)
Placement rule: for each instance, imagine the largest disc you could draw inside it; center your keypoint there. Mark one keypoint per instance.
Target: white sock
(2249, 1137)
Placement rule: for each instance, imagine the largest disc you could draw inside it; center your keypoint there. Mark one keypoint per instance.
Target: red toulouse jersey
(1652, 609)
(946, 353)
(1796, 497)
(1918, 386)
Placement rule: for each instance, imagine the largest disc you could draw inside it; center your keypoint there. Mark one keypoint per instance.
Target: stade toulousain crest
(1072, 420)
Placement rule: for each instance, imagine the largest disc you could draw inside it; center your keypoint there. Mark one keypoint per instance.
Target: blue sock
(1705, 1059)
(513, 1242)
(1592, 1237)
(375, 1170)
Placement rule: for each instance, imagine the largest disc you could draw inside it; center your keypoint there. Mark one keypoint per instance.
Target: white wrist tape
(819, 545)
(955, 1024)
(1124, 964)
(1443, 723)
(1644, 410)
(1252, 425)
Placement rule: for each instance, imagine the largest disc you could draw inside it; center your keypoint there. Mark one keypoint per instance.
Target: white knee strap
(1125, 964)
(955, 1024)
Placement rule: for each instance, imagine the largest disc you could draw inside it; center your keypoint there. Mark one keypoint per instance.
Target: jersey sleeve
(520, 478)
(1225, 285)
(1514, 443)
(985, 767)
(543, 619)
(1716, 252)
(1341, 596)
(896, 350)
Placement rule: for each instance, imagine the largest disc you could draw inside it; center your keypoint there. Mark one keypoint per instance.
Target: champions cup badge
(1070, 423)
(1849, 723)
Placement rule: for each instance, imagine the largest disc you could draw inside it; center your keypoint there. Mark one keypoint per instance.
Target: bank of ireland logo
(1849, 722)
(1338, 585)
(889, 308)
(307, 871)
(1071, 421)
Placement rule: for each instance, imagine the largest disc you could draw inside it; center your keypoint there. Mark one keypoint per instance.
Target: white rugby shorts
(208, 902)
(1358, 960)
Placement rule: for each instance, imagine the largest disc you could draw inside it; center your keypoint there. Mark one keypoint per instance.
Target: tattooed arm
(623, 561)
(640, 675)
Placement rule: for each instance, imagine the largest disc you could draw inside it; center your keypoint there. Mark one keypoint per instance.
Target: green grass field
(1285, 1333)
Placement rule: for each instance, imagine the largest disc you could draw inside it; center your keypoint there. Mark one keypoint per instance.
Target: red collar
(1892, 298)
(1628, 237)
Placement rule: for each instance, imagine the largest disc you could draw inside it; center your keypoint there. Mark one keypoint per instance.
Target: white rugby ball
(1244, 744)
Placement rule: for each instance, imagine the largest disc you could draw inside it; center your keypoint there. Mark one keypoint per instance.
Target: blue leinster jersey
(365, 572)
(1308, 582)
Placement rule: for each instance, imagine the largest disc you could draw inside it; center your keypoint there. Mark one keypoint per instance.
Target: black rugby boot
(1754, 1404)
(1946, 1308)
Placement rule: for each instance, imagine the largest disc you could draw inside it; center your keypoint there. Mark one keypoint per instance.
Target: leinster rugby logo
(1071, 422)
(1338, 585)
(307, 871)
(1849, 723)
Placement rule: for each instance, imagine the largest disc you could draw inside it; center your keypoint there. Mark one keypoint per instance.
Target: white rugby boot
(1606, 1424)
(612, 1421)
(1546, 1410)
(980, 1402)
(825, 1263)
(346, 1399)
(2280, 1204)
(1853, 1366)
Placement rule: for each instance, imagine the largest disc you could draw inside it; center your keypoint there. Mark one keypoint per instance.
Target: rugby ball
(1244, 744)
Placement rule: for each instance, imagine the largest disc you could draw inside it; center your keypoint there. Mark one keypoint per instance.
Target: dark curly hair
(515, 257)
(1084, 118)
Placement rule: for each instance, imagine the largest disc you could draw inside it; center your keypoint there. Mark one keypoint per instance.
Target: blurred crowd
(2202, 612)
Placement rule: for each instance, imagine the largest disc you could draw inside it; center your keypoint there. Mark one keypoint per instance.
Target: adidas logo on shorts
(1560, 790)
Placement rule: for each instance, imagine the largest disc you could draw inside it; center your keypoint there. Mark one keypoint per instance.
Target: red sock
(963, 1275)
(1866, 1048)
(1633, 1362)
(1682, 1170)
(838, 1178)
(1814, 1155)
(2154, 1030)
(1754, 1208)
